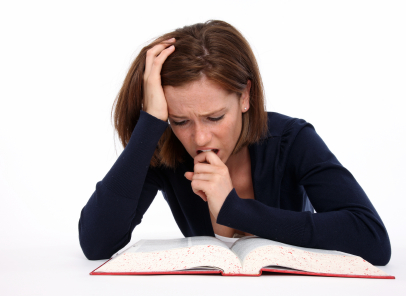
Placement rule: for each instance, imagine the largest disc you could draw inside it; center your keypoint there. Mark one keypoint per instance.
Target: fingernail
(172, 39)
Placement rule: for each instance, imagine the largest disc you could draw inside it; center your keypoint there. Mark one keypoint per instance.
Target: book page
(156, 245)
(257, 253)
(190, 253)
(245, 245)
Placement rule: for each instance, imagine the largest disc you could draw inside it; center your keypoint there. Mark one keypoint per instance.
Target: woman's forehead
(198, 87)
(204, 114)
(202, 98)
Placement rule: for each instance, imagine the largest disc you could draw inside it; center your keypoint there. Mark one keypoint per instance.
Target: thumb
(189, 175)
(202, 195)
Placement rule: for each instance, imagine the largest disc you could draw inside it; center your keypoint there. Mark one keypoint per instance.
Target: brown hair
(215, 49)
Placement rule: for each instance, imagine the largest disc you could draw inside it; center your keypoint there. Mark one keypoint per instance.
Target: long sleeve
(345, 220)
(122, 197)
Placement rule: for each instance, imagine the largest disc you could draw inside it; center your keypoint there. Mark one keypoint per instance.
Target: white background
(339, 65)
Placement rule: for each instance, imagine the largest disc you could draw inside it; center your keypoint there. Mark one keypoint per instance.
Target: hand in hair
(154, 99)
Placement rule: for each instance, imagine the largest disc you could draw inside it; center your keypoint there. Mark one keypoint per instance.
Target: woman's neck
(236, 163)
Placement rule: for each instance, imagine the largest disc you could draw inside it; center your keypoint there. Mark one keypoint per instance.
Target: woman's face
(203, 115)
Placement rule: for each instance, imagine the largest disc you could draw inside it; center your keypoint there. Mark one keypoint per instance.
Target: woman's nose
(202, 136)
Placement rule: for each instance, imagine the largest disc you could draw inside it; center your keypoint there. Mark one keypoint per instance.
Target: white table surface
(60, 268)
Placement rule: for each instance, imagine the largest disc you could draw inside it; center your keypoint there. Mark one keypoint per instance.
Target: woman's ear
(248, 87)
(245, 97)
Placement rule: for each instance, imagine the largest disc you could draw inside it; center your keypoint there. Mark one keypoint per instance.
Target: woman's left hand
(210, 180)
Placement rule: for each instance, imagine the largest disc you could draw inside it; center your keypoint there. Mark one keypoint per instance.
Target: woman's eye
(212, 119)
(179, 123)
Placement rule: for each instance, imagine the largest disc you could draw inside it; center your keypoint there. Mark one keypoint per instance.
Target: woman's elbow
(91, 248)
(373, 242)
(93, 251)
(385, 251)
(378, 251)
(95, 254)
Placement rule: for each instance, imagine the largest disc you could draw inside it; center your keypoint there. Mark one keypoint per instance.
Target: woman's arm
(345, 220)
(125, 193)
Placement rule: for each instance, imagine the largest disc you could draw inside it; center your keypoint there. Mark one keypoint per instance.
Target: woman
(226, 167)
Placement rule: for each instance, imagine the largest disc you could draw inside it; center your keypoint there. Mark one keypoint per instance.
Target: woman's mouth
(214, 150)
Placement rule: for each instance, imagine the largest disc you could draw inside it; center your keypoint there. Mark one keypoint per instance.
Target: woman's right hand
(154, 99)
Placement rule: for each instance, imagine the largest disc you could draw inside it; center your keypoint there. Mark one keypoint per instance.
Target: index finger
(205, 157)
(155, 51)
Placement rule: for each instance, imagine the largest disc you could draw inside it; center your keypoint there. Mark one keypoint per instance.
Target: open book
(248, 256)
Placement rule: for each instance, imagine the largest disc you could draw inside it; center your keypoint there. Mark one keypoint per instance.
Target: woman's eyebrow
(202, 115)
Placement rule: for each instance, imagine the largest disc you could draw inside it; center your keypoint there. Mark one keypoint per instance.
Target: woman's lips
(214, 150)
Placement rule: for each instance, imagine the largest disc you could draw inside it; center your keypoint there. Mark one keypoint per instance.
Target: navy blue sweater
(292, 171)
